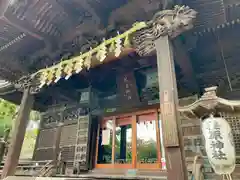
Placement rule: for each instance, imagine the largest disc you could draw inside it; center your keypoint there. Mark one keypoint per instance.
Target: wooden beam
(169, 115)
(18, 134)
(23, 29)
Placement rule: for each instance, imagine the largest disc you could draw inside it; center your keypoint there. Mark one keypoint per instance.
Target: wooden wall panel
(68, 153)
(46, 138)
(44, 154)
(68, 135)
(128, 94)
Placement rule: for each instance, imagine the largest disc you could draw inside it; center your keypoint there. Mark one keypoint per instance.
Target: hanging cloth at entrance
(219, 145)
(106, 137)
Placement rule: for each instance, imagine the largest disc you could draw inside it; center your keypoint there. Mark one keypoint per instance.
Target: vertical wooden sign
(127, 89)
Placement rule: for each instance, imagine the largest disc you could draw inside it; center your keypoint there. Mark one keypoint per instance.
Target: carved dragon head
(183, 20)
(166, 22)
(173, 22)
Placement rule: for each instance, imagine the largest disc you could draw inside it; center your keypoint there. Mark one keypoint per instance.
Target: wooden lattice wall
(69, 131)
(45, 146)
(68, 141)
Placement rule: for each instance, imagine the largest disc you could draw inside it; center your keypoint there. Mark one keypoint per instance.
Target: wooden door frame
(134, 163)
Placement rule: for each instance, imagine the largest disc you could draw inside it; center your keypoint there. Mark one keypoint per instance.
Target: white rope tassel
(227, 177)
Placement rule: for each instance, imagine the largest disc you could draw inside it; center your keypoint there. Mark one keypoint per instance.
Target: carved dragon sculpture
(166, 22)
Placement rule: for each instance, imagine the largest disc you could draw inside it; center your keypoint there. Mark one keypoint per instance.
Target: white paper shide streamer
(219, 145)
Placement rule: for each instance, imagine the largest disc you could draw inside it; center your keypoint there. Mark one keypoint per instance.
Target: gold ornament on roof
(118, 46)
(101, 55)
(88, 60)
(43, 78)
(58, 73)
(127, 43)
(112, 47)
(50, 78)
(68, 70)
(78, 64)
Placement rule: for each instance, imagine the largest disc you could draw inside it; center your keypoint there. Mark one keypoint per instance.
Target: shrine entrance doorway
(130, 141)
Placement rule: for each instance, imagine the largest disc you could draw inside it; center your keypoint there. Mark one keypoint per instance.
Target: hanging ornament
(118, 46)
(50, 77)
(101, 55)
(58, 73)
(127, 43)
(112, 46)
(43, 78)
(219, 145)
(88, 59)
(78, 64)
(68, 70)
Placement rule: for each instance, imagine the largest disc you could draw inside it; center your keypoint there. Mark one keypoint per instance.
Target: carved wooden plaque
(128, 94)
(168, 117)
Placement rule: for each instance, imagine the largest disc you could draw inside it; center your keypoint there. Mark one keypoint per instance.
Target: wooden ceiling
(38, 33)
(216, 59)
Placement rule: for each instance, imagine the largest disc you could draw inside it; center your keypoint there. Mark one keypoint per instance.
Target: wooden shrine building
(108, 78)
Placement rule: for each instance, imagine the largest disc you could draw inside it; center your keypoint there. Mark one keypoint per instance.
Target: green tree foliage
(35, 116)
(7, 113)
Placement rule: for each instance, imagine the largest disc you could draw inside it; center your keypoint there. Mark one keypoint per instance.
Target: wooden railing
(46, 170)
(33, 168)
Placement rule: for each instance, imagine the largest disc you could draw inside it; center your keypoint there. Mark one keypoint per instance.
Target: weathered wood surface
(169, 113)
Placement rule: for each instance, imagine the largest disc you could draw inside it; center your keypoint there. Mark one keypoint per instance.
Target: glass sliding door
(105, 139)
(148, 145)
(123, 141)
(130, 141)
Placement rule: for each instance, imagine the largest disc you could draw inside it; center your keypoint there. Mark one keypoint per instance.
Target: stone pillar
(169, 115)
(18, 134)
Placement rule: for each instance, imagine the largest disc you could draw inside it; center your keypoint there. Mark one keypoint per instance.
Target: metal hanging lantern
(219, 145)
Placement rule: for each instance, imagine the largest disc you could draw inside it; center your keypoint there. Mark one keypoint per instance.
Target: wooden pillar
(159, 156)
(123, 143)
(18, 134)
(57, 142)
(114, 121)
(57, 154)
(169, 115)
(134, 141)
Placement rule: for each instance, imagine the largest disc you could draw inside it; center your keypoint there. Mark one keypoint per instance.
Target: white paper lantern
(219, 144)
